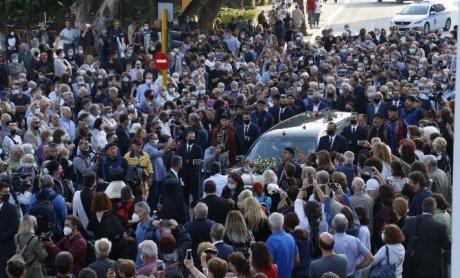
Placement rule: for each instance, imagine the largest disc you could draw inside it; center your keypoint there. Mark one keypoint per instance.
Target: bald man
(336, 263)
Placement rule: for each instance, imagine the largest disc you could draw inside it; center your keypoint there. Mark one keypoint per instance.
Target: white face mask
(67, 231)
(383, 236)
(155, 141)
(36, 111)
(231, 186)
(148, 81)
(136, 218)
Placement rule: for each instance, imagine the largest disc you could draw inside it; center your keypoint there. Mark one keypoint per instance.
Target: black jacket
(432, 237)
(123, 139)
(218, 208)
(339, 145)
(9, 225)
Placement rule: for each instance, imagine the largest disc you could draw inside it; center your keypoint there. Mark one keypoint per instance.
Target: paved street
(367, 14)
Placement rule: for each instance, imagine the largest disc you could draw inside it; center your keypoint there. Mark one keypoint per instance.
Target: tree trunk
(207, 12)
(303, 27)
(107, 11)
(81, 10)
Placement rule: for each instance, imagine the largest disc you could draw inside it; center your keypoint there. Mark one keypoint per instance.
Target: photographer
(213, 154)
(136, 159)
(84, 162)
(72, 242)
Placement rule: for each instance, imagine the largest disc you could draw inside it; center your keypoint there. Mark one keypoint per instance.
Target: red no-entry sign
(161, 61)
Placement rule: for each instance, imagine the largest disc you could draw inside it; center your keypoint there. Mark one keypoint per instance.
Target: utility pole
(164, 42)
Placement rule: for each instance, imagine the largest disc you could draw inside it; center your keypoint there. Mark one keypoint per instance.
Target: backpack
(43, 210)
(18, 256)
(124, 208)
(111, 226)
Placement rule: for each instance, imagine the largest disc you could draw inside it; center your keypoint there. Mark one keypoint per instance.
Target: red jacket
(231, 142)
(75, 246)
(311, 5)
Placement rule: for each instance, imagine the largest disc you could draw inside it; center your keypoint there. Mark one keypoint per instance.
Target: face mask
(310, 62)
(316, 101)
(67, 231)
(15, 92)
(299, 89)
(372, 57)
(156, 141)
(110, 115)
(125, 79)
(36, 111)
(80, 51)
(61, 56)
(41, 76)
(383, 236)
(246, 122)
(360, 69)
(444, 86)
(131, 107)
(5, 198)
(13, 132)
(395, 98)
(50, 139)
(148, 81)
(356, 60)
(370, 94)
(135, 217)
(231, 186)
(412, 51)
(376, 101)
(15, 60)
(193, 102)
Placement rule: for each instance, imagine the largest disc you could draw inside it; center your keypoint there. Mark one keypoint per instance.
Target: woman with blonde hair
(383, 152)
(243, 196)
(237, 233)
(34, 253)
(256, 219)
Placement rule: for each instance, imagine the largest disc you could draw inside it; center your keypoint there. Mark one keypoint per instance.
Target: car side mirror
(432, 13)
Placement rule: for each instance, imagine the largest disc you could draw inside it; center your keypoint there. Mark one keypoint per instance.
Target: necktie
(281, 113)
(353, 130)
(330, 142)
(246, 130)
(189, 148)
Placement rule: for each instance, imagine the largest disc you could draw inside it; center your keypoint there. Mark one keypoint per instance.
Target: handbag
(410, 261)
(384, 271)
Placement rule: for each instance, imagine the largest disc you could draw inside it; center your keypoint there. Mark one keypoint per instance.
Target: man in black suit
(122, 133)
(316, 105)
(354, 133)
(191, 154)
(218, 207)
(396, 100)
(378, 106)
(332, 141)
(248, 133)
(217, 238)
(431, 239)
(176, 166)
(9, 225)
(283, 112)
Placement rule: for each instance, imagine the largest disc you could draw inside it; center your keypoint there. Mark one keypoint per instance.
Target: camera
(17, 181)
(46, 236)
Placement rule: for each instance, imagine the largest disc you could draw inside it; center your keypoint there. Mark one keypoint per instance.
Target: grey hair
(270, 177)
(143, 206)
(28, 148)
(194, 119)
(64, 108)
(431, 160)
(358, 183)
(323, 177)
(102, 247)
(200, 210)
(47, 181)
(148, 248)
(276, 221)
(349, 157)
(339, 223)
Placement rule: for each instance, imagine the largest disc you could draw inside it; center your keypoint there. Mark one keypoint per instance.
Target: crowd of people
(107, 172)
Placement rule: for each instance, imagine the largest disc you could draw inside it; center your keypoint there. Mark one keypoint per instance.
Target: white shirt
(396, 254)
(98, 140)
(165, 130)
(221, 182)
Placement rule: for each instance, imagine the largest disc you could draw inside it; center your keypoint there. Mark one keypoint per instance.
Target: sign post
(164, 45)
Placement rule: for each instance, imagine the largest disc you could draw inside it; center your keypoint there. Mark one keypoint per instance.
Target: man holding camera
(83, 162)
(72, 242)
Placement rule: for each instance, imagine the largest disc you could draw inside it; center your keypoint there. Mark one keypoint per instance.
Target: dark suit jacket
(218, 208)
(188, 169)
(171, 175)
(253, 133)
(224, 250)
(383, 109)
(123, 139)
(199, 231)
(102, 265)
(360, 134)
(322, 106)
(288, 112)
(432, 236)
(339, 145)
(9, 225)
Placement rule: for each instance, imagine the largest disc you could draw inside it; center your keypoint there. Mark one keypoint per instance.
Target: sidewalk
(328, 12)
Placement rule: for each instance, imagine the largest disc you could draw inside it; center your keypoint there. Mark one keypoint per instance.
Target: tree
(303, 27)
(107, 11)
(206, 10)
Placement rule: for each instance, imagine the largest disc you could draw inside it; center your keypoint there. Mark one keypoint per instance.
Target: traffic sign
(161, 61)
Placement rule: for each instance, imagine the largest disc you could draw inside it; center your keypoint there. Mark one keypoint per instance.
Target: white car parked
(424, 15)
